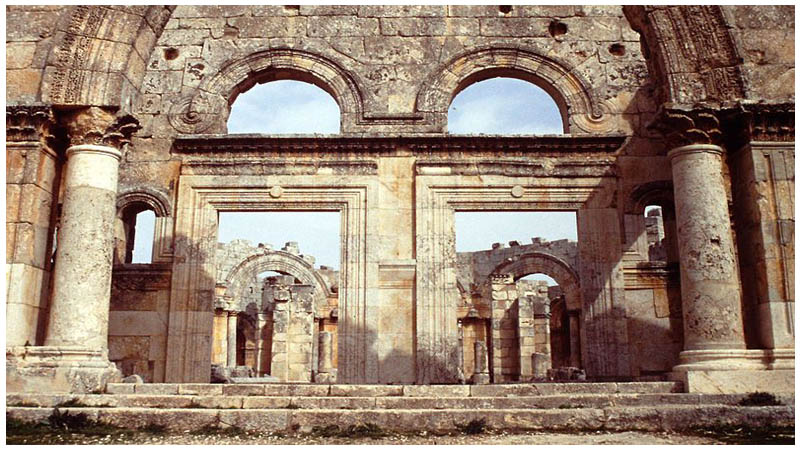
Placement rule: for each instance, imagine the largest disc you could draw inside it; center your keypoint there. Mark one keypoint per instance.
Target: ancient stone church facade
(113, 110)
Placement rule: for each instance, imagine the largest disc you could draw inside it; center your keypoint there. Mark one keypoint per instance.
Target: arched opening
(284, 106)
(136, 234)
(495, 103)
(544, 301)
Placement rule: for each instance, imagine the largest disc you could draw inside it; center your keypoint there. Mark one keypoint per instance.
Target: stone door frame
(440, 194)
(202, 197)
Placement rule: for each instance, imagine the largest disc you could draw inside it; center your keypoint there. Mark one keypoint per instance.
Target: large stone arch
(554, 267)
(282, 262)
(571, 92)
(691, 53)
(100, 56)
(207, 109)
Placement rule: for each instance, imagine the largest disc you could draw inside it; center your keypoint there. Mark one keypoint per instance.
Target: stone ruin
(114, 110)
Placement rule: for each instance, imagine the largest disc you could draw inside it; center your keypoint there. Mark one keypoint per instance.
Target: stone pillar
(325, 372)
(232, 321)
(574, 339)
(75, 355)
(261, 322)
(32, 173)
(481, 373)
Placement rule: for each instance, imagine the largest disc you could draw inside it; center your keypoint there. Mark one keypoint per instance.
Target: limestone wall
(138, 320)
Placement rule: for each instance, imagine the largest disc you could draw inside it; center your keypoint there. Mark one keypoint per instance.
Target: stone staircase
(649, 406)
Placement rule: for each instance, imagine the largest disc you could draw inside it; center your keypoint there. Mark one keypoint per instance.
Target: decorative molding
(522, 146)
(141, 277)
(74, 52)
(650, 275)
(154, 199)
(690, 51)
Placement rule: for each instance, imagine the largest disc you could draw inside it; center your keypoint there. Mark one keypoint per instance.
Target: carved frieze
(73, 53)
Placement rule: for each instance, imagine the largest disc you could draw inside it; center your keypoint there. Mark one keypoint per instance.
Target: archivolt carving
(207, 110)
(567, 88)
(157, 201)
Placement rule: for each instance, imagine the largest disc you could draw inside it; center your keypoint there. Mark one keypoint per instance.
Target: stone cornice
(241, 145)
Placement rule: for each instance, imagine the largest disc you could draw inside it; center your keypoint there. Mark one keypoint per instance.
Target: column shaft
(232, 339)
(711, 299)
(82, 281)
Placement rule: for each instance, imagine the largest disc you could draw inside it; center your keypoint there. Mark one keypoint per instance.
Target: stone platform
(300, 407)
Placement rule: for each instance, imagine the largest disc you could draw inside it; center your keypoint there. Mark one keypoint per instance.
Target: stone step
(649, 418)
(372, 390)
(573, 401)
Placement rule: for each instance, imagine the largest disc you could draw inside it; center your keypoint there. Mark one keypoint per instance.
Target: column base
(325, 377)
(59, 370)
(735, 371)
(480, 378)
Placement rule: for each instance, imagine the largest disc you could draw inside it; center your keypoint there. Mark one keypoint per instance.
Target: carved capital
(28, 123)
(760, 122)
(97, 126)
(688, 127)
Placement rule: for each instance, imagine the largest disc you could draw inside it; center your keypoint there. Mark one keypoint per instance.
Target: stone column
(82, 283)
(76, 342)
(261, 322)
(326, 373)
(574, 339)
(481, 373)
(232, 316)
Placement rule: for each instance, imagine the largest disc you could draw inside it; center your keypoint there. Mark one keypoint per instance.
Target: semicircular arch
(552, 266)
(282, 262)
(567, 88)
(208, 108)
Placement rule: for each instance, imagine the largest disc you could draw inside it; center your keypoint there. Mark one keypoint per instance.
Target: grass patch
(291, 406)
(474, 426)
(760, 399)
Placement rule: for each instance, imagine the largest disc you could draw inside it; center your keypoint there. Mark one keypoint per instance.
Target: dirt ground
(491, 438)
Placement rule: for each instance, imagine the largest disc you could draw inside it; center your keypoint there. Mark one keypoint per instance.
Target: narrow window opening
(142, 233)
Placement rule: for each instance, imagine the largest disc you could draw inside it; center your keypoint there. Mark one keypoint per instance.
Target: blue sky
(494, 106)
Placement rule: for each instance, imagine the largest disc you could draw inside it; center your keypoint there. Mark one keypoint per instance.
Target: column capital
(98, 126)
(685, 127)
(30, 123)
